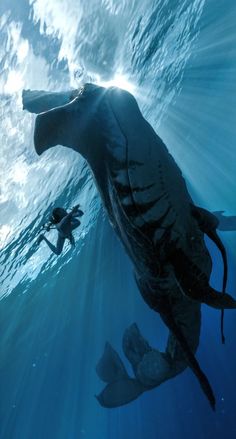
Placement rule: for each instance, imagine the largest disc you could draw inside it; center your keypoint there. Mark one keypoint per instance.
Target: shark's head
(73, 125)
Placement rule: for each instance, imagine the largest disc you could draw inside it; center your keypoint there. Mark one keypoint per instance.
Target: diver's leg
(59, 246)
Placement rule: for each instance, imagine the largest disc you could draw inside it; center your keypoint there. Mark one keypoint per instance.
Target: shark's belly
(148, 184)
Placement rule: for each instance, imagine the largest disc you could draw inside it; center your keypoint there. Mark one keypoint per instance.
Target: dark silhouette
(149, 206)
(65, 223)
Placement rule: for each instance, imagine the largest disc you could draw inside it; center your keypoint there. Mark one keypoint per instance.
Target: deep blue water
(179, 58)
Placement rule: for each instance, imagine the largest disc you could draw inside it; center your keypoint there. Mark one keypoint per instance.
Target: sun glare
(5, 232)
(14, 82)
(19, 173)
(119, 81)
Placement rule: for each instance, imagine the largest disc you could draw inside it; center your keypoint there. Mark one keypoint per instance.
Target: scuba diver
(65, 223)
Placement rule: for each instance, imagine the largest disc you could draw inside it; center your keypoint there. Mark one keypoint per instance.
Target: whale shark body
(150, 209)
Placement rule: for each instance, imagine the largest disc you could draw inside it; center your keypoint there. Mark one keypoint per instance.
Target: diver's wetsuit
(64, 228)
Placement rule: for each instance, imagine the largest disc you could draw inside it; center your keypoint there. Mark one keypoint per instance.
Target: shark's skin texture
(150, 209)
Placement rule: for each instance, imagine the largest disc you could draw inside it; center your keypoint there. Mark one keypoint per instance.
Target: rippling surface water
(179, 60)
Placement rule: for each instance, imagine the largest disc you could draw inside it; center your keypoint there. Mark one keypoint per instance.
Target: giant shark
(153, 214)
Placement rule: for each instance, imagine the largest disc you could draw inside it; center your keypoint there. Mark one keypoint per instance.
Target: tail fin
(120, 388)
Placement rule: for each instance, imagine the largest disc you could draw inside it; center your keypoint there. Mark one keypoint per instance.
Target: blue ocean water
(56, 313)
